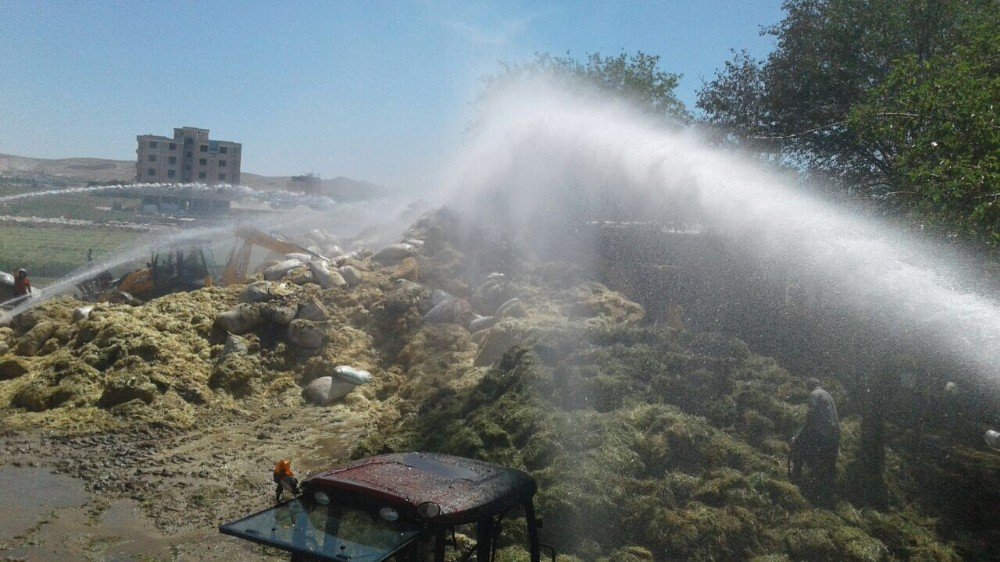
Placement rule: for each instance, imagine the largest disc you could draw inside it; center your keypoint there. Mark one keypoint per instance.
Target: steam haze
(543, 161)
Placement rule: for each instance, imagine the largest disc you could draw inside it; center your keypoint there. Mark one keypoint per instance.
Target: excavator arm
(239, 258)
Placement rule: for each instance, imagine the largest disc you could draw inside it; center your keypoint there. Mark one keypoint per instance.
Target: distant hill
(68, 170)
(84, 169)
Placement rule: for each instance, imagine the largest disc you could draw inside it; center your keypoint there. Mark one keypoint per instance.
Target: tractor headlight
(428, 510)
(321, 498)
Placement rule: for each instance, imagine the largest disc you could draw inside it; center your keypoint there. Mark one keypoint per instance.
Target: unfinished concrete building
(189, 157)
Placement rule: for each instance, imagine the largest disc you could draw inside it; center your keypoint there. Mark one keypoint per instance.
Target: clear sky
(371, 90)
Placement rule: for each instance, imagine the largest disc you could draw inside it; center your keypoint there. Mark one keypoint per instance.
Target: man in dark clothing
(818, 442)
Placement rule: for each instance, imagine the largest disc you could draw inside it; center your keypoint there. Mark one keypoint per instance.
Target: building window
(152, 144)
(172, 159)
(223, 149)
(222, 176)
(188, 154)
(201, 175)
(173, 146)
(152, 158)
(203, 148)
(151, 172)
(202, 161)
(170, 173)
(187, 167)
(222, 163)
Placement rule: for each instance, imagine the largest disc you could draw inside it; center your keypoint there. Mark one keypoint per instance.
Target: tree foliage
(936, 120)
(829, 54)
(636, 78)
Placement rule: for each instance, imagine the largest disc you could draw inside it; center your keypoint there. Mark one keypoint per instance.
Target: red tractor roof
(466, 490)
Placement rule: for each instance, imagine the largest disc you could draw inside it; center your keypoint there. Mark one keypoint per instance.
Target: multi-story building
(189, 157)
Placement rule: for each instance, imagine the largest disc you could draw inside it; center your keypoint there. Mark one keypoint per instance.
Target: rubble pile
(647, 442)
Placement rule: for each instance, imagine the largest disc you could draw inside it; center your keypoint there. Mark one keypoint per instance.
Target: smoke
(544, 162)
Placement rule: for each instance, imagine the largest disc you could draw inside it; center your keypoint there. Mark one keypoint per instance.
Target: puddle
(30, 495)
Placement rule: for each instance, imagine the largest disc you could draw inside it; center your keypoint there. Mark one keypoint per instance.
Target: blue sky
(372, 90)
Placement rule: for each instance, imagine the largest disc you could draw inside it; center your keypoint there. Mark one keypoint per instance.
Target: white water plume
(185, 188)
(542, 160)
(134, 253)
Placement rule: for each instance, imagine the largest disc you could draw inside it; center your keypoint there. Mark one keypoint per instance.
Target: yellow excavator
(183, 266)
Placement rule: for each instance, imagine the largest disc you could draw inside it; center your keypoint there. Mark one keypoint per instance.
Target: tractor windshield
(329, 532)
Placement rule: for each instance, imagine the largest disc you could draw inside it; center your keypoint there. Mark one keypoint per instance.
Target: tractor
(404, 507)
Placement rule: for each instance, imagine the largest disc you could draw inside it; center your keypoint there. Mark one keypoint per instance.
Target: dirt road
(157, 494)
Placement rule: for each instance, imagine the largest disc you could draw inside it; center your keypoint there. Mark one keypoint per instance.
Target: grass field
(48, 251)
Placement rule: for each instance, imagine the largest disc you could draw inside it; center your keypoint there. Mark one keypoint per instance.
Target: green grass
(51, 251)
(75, 206)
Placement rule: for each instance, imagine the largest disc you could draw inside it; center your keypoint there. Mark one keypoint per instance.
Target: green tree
(636, 78)
(936, 121)
(830, 53)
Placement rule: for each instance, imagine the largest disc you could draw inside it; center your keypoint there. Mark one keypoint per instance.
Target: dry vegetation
(648, 443)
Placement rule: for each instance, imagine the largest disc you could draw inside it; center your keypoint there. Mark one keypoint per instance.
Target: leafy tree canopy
(936, 121)
(829, 54)
(636, 78)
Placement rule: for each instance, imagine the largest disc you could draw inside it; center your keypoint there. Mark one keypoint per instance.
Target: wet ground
(156, 494)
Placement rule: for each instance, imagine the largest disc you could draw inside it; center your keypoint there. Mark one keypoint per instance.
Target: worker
(817, 444)
(22, 286)
(90, 256)
(284, 477)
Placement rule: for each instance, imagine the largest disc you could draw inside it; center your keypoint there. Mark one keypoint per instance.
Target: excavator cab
(398, 507)
(184, 266)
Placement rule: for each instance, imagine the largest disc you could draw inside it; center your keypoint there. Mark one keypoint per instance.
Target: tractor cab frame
(395, 507)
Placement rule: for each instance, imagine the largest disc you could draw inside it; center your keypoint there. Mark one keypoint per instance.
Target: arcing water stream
(236, 190)
(543, 160)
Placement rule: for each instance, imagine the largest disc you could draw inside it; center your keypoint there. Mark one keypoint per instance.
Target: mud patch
(29, 495)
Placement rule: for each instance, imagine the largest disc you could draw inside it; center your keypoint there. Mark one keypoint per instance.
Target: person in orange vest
(22, 286)
(284, 477)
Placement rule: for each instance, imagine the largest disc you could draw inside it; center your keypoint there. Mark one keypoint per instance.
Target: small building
(189, 157)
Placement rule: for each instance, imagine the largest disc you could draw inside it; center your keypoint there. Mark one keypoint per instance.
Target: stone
(280, 269)
(407, 269)
(446, 311)
(301, 256)
(352, 375)
(488, 296)
(351, 275)
(31, 342)
(279, 312)
(306, 333)
(325, 390)
(312, 310)
(481, 323)
(82, 312)
(240, 320)
(301, 276)
(235, 345)
(439, 296)
(509, 308)
(341, 259)
(259, 291)
(394, 253)
(326, 277)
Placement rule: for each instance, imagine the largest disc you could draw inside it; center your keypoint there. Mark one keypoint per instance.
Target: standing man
(818, 442)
